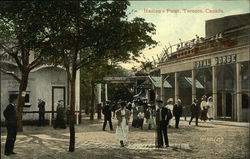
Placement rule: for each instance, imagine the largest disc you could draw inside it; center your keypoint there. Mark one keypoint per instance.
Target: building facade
(48, 83)
(220, 61)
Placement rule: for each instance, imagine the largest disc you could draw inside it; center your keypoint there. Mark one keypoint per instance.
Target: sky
(181, 19)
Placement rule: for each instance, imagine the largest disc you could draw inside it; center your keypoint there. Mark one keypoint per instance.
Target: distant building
(220, 62)
(48, 83)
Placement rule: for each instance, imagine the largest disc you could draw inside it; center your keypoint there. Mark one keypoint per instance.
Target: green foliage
(95, 30)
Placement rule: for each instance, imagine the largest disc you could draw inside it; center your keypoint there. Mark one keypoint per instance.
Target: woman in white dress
(204, 109)
(122, 115)
(210, 108)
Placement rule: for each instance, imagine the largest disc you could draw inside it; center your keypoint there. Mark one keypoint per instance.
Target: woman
(135, 114)
(170, 106)
(150, 117)
(204, 109)
(60, 117)
(210, 108)
(122, 115)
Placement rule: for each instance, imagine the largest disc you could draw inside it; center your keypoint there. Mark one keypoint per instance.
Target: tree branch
(35, 63)
(11, 74)
(12, 54)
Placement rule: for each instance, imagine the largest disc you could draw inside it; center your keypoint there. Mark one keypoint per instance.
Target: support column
(238, 91)
(214, 84)
(163, 95)
(148, 95)
(234, 113)
(223, 93)
(193, 85)
(99, 93)
(106, 91)
(176, 84)
(99, 100)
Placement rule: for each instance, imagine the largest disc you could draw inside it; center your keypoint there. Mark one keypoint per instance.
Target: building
(220, 62)
(48, 83)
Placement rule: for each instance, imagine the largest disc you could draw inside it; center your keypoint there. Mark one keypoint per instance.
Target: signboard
(202, 64)
(145, 86)
(119, 79)
(225, 59)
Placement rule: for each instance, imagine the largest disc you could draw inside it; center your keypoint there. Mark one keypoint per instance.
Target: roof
(46, 66)
(156, 81)
(189, 80)
(185, 82)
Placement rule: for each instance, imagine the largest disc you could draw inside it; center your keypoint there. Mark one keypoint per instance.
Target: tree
(84, 32)
(23, 33)
(92, 75)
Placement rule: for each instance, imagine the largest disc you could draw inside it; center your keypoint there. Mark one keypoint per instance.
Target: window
(245, 101)
(27, 97)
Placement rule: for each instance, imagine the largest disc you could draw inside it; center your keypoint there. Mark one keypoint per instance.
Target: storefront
(222, 65)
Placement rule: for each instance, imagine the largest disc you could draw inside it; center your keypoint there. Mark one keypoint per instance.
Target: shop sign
(202, 63)
(225, 59)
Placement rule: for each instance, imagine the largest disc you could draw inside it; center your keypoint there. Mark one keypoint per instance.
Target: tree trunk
(72, 113)
(92, 111)
(80, 115)
(21, 101)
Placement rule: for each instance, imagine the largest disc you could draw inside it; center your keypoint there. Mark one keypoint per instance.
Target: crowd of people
(154, 114)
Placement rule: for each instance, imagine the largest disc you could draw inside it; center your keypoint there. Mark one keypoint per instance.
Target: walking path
(146, 147)
(215, 139)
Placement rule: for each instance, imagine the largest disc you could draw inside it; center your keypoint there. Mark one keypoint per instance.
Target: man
(177, 111)
(141, 118)
(122, 129)
(106, 111)
(11, 124)
(163, 115)
(195, 111)
(41, 106)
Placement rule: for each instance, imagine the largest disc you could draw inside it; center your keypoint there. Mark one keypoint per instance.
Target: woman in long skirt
(122, 129)
(204, 109)
(170, 106)
(210, 108)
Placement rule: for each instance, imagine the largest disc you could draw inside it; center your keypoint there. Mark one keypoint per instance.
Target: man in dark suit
(41, 106)
(11, 124)
(177, 111)
(163, 115)
(195, 111)
(107, 115)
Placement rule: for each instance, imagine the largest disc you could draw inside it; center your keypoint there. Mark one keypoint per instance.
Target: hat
(209, 98)
(179, 100)
(170, 100)
(204, 97)
(12, 98)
